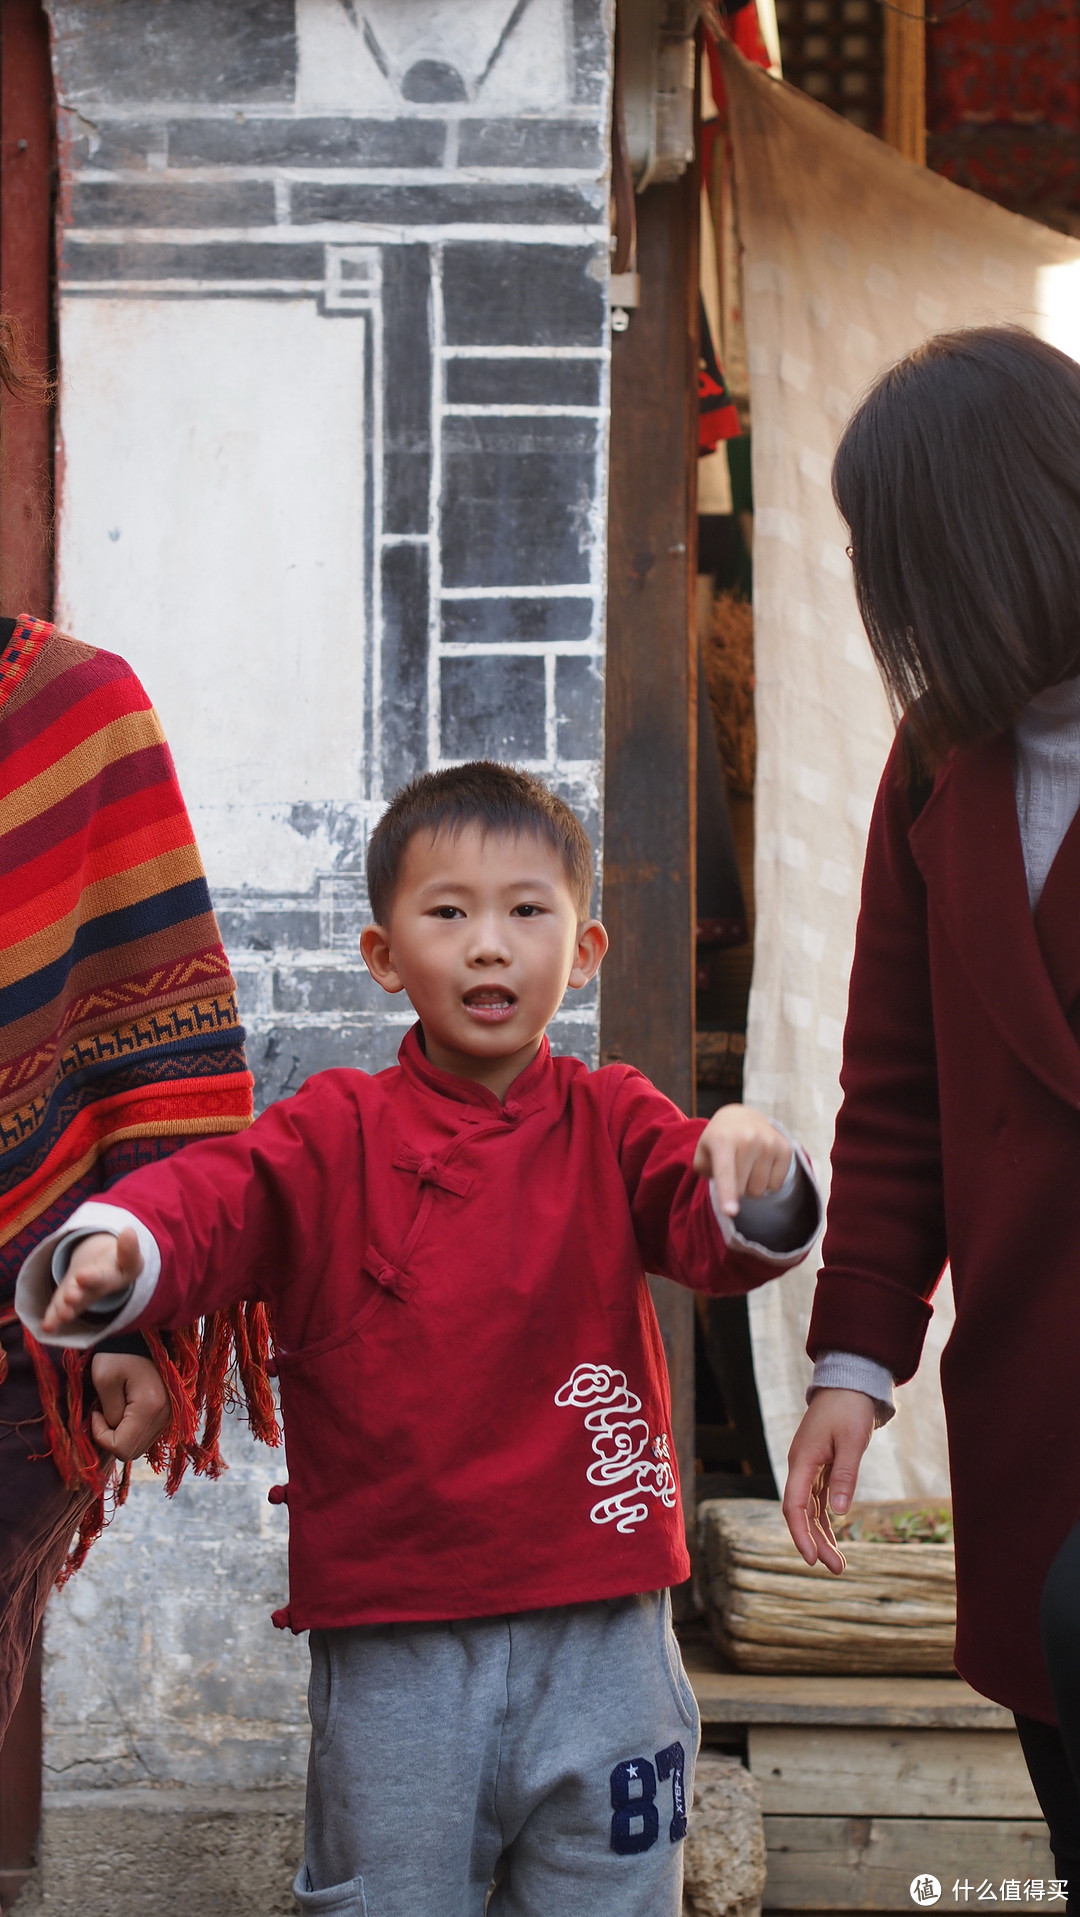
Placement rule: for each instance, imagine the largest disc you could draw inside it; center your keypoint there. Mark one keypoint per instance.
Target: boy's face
(484, 937)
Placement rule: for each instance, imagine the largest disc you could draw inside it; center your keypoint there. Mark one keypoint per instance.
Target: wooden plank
(26, 262)
(904, 123)
(890, 1773)
(740, 1698)
(647, 990)
(869, 1863)
(841, 1651)
(905, 1578)
(768, 1593)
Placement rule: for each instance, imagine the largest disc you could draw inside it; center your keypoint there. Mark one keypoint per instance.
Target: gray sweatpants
(550, 1753)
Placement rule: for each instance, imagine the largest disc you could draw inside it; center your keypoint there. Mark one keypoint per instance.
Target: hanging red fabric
(717, 417)
(743, 28)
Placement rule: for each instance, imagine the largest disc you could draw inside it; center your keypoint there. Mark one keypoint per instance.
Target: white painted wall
(211, 531)
(163, 1666)
(339, 67)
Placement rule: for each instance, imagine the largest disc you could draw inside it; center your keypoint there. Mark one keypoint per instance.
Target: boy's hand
(823, 1468)
(134, 1404)
(743, 1154)
(99, 1266)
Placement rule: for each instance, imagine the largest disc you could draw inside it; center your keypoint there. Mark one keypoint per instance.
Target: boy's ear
(377, 956)
(592, 943)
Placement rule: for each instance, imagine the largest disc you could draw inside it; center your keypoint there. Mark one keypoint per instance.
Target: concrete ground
(167, 1853)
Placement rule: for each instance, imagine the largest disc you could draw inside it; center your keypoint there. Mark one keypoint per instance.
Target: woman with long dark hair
(959, 1134)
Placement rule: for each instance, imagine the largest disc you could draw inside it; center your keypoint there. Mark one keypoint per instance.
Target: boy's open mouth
(489, 1003)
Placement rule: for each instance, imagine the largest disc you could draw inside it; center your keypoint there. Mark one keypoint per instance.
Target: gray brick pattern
(474, 242)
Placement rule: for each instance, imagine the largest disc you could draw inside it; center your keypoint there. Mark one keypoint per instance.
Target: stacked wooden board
(894, 1610)
(869, 1783)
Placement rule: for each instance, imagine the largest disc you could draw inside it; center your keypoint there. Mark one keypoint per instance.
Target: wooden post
(26, 276)
(647, 989)
(905, 78)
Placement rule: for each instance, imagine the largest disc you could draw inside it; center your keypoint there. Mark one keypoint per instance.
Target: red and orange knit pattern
(119, 1032)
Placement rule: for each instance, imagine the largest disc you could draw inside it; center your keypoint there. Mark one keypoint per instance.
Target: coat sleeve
(885, 1243)
(675, 1224)
(231, 1219)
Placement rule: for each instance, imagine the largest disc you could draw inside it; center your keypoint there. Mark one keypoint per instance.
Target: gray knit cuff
(846, 1371)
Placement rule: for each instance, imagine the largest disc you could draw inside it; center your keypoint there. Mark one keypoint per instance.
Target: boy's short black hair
(497, 798)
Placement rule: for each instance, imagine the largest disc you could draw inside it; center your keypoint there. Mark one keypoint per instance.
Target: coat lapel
(966, 843)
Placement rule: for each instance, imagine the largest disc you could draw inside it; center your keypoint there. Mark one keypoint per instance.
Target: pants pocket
(338, 1900)
(323, 1692)
(681, 1688)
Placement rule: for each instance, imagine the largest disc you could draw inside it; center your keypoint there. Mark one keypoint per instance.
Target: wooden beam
(824, 1772)
(739, 1698)
(647, 991)
(26, 276)
(26, 486)
(869, 1863)
(905, 78)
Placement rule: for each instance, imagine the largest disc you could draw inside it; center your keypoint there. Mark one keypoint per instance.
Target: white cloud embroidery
(626, 1452)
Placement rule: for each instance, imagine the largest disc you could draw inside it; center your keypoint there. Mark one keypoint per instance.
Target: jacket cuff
(126, 1344)
(846, 1371)
(37, 1282)
(783, 1227)
(882, 1321)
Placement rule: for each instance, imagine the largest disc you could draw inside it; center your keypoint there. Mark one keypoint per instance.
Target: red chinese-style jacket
(473, 1386)
(959, 1138)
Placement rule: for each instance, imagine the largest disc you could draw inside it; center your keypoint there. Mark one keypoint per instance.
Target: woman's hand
(823, 1469)
(743, 1154)
(134, 1404)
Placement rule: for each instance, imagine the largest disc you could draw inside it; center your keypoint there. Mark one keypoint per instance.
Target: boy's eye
(526, 911)
(449, 912)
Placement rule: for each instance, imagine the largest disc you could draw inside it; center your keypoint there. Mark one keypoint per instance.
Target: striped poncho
(119, 1031)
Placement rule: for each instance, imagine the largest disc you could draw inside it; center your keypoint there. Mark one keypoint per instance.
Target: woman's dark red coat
(959, 1139)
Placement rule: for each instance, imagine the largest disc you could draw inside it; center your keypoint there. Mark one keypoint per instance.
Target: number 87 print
(635, 1820)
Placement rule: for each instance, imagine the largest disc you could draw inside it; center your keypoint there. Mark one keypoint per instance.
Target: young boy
(484, 1508)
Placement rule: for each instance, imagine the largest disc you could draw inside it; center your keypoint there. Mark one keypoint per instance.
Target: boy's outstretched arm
(225, 1220)
(721, 1207)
